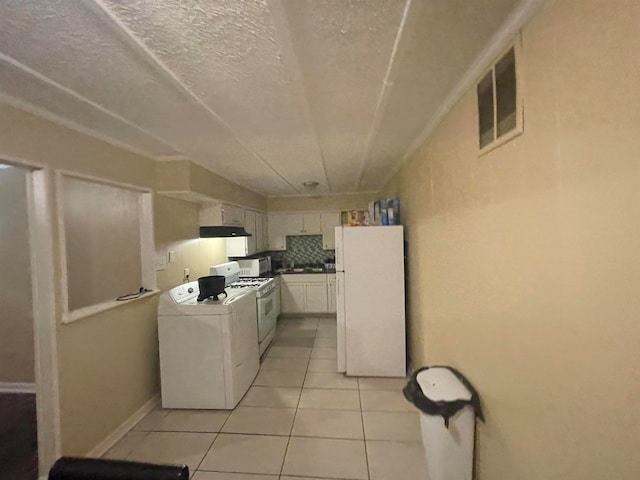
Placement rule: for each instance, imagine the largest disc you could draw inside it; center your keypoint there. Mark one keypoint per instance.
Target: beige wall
(108, 369)
(190, 181)
(16, 315)
(108, 363)
(177, 229)
(320, 202)
(524, 263)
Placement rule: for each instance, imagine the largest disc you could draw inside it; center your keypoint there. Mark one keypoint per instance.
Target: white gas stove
(267, 298)
(262, 285)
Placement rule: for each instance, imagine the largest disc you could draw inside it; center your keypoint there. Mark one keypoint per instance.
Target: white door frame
(41, 252)
(44, 315)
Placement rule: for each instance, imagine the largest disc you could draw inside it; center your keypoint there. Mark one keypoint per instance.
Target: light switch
(172, 256)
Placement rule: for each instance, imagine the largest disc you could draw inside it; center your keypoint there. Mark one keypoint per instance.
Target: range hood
(223, 231)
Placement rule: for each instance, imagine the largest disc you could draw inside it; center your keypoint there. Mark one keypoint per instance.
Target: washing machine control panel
(184, 293)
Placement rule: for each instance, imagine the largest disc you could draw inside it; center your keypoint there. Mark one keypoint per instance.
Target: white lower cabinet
(292, 297)
(316, 297)
(305, 293)
(331, 293)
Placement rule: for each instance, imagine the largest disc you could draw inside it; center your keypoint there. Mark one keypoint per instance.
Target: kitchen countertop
(296, 271)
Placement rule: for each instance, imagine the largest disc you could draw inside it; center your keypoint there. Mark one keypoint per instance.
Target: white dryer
(208, 350)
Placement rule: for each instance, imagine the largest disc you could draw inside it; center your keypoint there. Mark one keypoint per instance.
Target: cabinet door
(211, 214)
(311, 224)
(265, 232)
(316, 297)
(232, 215)
(331, 297)
(292, 297)
(250, 227)
(277, 232)
(237, 247)
(258, 233)
(261, 239)
(294, 224)
(330, 220)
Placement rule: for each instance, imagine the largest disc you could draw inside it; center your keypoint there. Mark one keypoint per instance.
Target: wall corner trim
(113, 438)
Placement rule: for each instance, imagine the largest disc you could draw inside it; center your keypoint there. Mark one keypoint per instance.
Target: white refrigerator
(370, 301)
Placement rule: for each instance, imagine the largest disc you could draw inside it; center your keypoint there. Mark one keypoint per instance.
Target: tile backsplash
(303, 249)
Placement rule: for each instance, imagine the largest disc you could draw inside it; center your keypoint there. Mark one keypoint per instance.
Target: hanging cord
(131, 296)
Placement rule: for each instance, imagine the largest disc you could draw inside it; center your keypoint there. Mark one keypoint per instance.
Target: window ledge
(84, 312)
(506, 138)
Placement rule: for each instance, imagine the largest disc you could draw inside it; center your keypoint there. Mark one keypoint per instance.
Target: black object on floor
(71, 468)
(18, 436)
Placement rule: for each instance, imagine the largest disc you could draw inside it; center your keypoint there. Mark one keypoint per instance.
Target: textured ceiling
(267, 93)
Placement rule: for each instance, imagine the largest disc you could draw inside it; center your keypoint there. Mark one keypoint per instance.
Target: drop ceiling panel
(33, 91)
(267, 93)
(232, 56)
(76, 45)
(343, 49)
(439, 42)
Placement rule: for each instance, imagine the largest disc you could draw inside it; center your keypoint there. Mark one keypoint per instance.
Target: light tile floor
(299, 421)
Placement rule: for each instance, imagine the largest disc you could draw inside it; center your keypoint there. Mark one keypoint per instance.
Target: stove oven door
(267, 313)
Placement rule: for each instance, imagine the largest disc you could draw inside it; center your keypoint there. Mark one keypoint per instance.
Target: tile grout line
(219, 431)
(208, 449)
(286, 450)
(364, 434)
(217, 434)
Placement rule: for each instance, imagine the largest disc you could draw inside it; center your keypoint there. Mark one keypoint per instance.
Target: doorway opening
(29, 415)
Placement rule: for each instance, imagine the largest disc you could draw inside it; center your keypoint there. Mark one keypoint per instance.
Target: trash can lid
(441, 384)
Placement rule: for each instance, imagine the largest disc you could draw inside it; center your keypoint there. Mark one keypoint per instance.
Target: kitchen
(521, 266)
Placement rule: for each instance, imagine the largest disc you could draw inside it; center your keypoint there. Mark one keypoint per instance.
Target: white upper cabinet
(221, 214)
(293, 224)
(244, 246)
(250, 227)
(261, 236)
(303, 224)
(312, 224)
(330, 220)
(265, 232)
(277, 233)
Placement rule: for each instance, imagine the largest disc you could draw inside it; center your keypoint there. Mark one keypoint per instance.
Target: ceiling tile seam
(159, 66)
(282, 22)
(519, 16)
(385, 83)
(66, 123)
(329, 195)
(43, 78)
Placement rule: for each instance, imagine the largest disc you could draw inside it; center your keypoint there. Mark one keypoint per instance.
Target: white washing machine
(208, 350)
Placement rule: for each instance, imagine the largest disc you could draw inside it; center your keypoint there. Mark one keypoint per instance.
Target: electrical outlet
(186, 272)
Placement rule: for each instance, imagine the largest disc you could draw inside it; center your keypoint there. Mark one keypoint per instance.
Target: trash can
(449, 405)
(76, 468)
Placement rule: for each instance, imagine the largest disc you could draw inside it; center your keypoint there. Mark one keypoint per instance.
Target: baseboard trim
(122, 430)
(17, 387)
